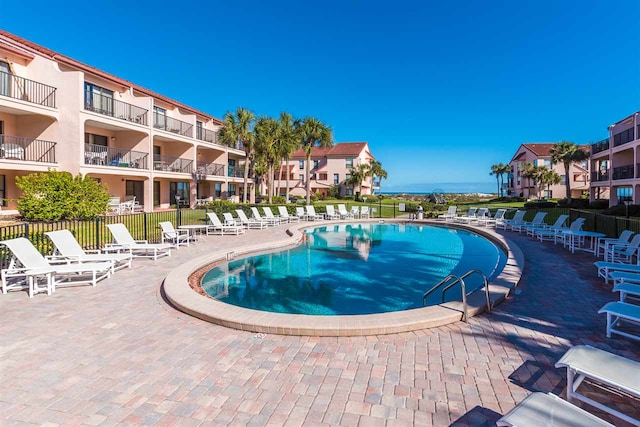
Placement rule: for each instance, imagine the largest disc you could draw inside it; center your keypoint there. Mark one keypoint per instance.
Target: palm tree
(496, 170)
(267, 134)
(375, 169)
(526, 171)
(506, 169)
(357, 175)
(567, 153)
(289, 141)
(236, 131)
(550, 177)
(312, 133)
(538, 174)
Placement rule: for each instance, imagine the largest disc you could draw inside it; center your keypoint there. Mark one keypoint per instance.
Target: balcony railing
(623, 137)
(161, 121)
(118, 157)
(236, 172)
(206, 135)
(600, 176)
(211, 169)
(27, 149)
(27, 90)
(172, 164)
(108, 106)
(623, 172)
(600, 146)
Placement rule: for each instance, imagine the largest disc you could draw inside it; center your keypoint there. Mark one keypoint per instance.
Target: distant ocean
(444, 187)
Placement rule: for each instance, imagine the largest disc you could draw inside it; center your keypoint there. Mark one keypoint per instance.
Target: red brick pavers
(117, 354)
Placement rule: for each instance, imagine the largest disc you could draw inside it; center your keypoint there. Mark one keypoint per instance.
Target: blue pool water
(355, 269)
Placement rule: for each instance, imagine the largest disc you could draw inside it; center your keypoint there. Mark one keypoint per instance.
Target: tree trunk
(246, 180)
(308, 176)
(498, 183)
(287, 179)
(279, 178)
(270, 184)
(567, 182)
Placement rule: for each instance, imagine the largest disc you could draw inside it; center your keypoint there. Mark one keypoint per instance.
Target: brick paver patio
(118, 354)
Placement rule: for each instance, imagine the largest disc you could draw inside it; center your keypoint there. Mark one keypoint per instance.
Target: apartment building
(615, 163)
(539, 154)
(329, 166)
(59, 114)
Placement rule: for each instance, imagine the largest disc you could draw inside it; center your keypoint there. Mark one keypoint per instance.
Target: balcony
(161, 121)
(623, 172)
(600, 146)
(108, 106)
(117, 157)
(27, 149)
(211, 169)
(27, 90)
(172, 164)
(623, 137)
(236, 172)
(206, 135)
(600, 176)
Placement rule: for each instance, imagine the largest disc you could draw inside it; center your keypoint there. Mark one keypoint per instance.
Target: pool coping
(184, 298)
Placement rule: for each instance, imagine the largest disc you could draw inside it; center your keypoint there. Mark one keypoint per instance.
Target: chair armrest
(141, 241)
(60, 259)
(92, 251)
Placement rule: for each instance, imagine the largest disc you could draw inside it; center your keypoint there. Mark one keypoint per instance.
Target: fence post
(26, 229)
(144, 225)
(394, 209)
(97, 241)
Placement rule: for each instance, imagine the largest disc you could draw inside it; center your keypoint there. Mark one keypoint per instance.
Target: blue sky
(440, 90)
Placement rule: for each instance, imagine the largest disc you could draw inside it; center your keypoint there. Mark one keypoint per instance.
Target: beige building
(60, 114)
(615, 163)
(329, 166)
(539, 154)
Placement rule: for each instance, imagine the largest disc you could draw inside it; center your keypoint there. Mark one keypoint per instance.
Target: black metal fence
(29, 149)
(27, 90)
(108, 106)
(161, 121)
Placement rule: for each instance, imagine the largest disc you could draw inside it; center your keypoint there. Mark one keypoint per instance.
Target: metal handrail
(460, 279)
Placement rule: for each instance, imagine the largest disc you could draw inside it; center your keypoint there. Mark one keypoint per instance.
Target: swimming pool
(351, 269)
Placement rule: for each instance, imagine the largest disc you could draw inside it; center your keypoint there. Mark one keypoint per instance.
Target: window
(198, 129)
(623, 137)
(179, 189)
(349, 163)
(98, 99)
(563, 179)
(322, 177)
(231, 190)
(90, 138)
(5, 79)
(135, 189)
(300, 164)
(348, 192)
(547, 194)
(3, 199)
(315, 164)
(301, 177)
(336, 178)
(218, 190)
(347, 176)
(313, 176)
(625, 194)
(159, 117)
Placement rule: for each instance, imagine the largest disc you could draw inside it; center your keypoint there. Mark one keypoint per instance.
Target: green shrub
(279, 200)
(621, 210)
(600, 204)
(543, 204)
(314, 198)
(52, 196)
(575, 203)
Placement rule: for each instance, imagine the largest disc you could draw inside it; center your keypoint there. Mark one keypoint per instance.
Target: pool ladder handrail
(460, 279)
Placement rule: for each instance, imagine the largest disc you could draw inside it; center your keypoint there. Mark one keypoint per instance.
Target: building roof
(540, 149)
(55, 56)
(341, 149)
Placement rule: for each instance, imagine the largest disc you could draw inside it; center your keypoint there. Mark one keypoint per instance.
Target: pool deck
(118, 354)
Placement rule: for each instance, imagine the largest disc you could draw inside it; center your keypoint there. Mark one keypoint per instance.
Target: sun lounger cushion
(541, 410)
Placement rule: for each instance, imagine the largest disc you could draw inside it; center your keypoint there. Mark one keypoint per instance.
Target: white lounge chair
(603, 242)
(302, 214)
(66, 247)
(229, 219)
(518, 218)
(548, 410)
(355, 212)
(218, 227)
(123, 241)
(470, 216)
(331, 213)
(618, 311)
(268, 213)
(250, 223)
(284, 213)
(557, 235)
(488, 220)
(622, 252)
(343, 212)
(605, 269)
(364, 212)
(537, 222)
(616, 372)
(450, 215)
(627, 290)
(558, 225)
(312, 215)
(173, 236)
(257, 216)
(26, 262)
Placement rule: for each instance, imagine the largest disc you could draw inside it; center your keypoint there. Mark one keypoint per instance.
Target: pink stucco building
(60, 114)
(615, 163)
(329, 166)
(539, 154)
